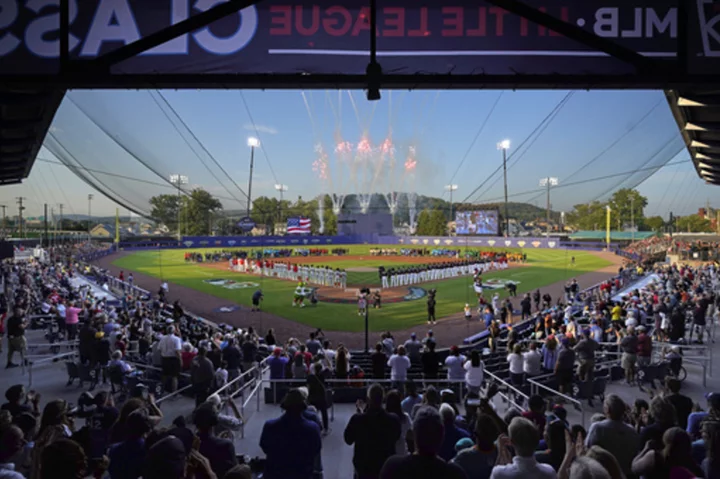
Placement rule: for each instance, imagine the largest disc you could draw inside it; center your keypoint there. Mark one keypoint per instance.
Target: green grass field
(548, 266)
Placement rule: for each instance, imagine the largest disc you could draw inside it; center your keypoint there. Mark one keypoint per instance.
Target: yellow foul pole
(607, 227)
(117, 225)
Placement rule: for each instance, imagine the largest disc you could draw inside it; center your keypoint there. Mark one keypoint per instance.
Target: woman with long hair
(341, 363)
(393, 405)
(675, 455)
(474, 372)
(54, 424)
(711, 437)
(555, 440)
(515, 360)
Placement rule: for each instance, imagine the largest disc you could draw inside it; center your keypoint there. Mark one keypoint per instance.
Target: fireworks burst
(320, 165)
(411, 162)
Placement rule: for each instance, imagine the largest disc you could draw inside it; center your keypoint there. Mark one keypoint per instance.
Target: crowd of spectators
(415, 429)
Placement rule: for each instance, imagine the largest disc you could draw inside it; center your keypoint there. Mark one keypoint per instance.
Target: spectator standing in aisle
(430, 361)
(16, 337)
(644, 350)
(399, 365)
(317, 394)
(428, 433)
(373, 432)
(532, 361)
(170, 349)
(202, 374)
(233, 357)
(629, 347)
(291, 442)
(474, 372)
(379, 362)
(413, 347)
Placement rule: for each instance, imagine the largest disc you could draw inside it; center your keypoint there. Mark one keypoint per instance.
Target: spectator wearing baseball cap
(696, 418)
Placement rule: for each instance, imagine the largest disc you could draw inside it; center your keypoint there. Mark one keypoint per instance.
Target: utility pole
(548, 182)
(90, 198)
(4, 223)
(46, 239)
(20, 200)
(504, 146)
(61, 206)
(632, 217)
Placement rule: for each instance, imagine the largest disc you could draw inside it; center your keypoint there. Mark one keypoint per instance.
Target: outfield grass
(548, 266)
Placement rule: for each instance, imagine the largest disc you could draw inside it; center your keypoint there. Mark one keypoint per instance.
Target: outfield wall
(330, 241)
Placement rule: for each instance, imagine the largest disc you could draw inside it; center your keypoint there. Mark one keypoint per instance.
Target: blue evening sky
(439, 127)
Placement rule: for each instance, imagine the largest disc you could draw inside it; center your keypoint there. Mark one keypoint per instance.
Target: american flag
(298, 226)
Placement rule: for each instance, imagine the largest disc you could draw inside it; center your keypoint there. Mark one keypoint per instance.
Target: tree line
(199, 213)
(627, 208)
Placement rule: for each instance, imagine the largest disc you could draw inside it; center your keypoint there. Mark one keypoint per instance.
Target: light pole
(252, 143)
(548, 182)
(451, 188)
(632, 217)
(281, 189)
(504, 146)
(90, 198)
(179, 181)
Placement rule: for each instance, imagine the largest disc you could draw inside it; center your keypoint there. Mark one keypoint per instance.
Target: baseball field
(402, 308)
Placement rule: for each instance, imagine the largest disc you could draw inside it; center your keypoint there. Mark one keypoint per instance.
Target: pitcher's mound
(389, 295)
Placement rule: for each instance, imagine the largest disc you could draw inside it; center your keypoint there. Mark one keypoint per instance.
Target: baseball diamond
(334, 309)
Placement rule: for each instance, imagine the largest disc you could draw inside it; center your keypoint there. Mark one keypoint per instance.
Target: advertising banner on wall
(267, 241)
(477, 242)
(290, 36)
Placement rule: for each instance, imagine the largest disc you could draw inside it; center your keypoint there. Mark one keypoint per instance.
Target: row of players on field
(321, 275)
(394, 277)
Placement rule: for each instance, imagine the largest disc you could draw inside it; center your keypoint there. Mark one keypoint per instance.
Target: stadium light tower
(179, 181)
(451, 188)
(252, 143)
(548, 182)
(505, 146)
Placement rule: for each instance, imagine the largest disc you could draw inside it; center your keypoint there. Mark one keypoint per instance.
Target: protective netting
(127, 144)
(587, 156)
(129, 150)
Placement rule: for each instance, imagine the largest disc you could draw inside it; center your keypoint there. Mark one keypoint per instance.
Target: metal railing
(173, 394)
(511, 388)
(535, 387)
(43, 359)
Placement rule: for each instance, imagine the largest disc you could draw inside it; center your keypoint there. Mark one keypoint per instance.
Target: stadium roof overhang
(697, 113)
(422, 46)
